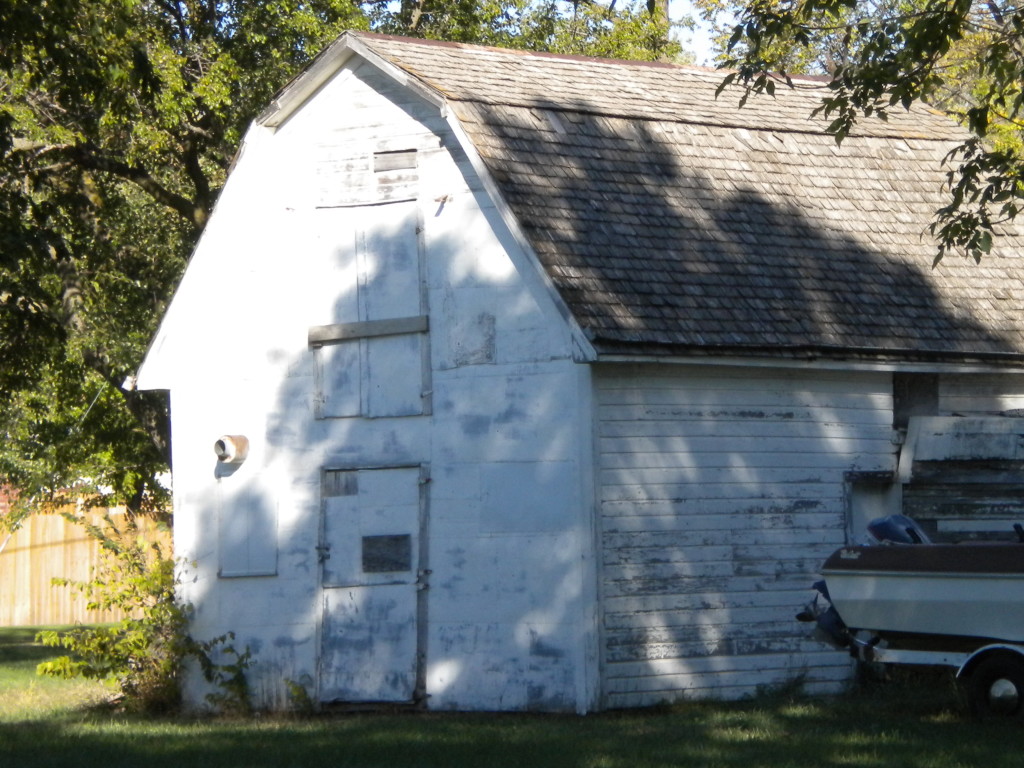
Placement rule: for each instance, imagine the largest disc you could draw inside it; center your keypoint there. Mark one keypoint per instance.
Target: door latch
(323, 553)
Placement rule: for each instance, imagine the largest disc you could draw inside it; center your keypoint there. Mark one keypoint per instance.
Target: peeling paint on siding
(719, 498)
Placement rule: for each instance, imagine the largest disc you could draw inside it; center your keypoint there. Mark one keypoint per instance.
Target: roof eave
(844, 357)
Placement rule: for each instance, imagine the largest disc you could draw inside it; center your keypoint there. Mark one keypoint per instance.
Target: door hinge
(421, 578)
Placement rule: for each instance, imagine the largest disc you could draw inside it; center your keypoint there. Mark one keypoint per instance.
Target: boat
(901, 599)
(971, 590)
(900, 584)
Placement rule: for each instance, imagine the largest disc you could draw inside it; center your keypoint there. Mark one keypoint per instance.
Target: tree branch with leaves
(961, 56)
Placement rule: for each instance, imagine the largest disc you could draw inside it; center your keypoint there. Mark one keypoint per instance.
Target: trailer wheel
(995, 688)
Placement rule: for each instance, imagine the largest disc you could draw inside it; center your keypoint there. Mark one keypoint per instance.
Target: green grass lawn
(919, 723)
(24, 695)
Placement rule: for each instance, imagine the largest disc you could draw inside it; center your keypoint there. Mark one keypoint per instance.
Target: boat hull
(965, 590)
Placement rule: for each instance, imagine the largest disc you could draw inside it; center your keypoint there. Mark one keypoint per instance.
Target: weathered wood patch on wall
(963, 475)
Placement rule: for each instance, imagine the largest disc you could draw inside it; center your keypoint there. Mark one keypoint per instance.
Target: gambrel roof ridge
(636, 90)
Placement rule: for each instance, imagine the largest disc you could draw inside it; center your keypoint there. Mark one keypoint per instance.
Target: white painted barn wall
(511, 606)
(721, 492)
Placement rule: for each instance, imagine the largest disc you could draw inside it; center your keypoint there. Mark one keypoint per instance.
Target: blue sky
(699, 40)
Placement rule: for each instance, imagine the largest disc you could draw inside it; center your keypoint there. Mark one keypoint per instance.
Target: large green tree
(118, 121)
(964, 56)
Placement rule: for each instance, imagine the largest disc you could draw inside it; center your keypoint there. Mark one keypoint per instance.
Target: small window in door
(387, 554)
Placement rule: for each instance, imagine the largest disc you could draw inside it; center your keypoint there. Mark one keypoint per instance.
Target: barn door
(371, 576)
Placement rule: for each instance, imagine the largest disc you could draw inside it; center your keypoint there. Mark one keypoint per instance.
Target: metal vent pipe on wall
(231, 449)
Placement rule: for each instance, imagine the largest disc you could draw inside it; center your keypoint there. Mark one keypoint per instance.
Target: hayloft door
(372, 576)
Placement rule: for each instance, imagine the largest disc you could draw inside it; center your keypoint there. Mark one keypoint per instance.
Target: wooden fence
(46, 547)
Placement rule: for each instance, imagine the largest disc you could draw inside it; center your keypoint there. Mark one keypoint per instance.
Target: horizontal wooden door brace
(366, 329)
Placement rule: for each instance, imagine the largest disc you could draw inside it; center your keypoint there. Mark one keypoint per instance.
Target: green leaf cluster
(142, 653)
(962, 56)
(118, 120)
(631, 30)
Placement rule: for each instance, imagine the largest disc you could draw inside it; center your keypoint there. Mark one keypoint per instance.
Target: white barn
(546, 383)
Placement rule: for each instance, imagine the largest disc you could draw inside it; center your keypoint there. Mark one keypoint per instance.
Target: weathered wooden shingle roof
(674, 222)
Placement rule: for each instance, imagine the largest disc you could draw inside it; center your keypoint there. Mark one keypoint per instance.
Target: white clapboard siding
(676, 609)
(980, 394)
(658, 680)
(721, 493)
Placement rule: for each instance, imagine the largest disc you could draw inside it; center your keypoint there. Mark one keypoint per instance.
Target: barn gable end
(356, 311)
